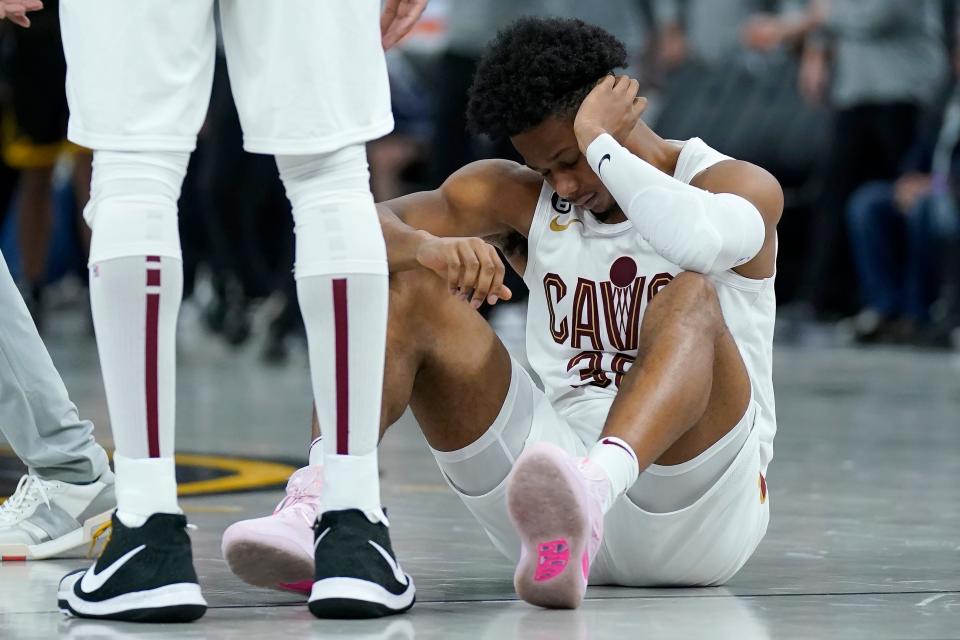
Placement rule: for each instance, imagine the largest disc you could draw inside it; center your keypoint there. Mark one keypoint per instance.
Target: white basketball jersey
(590, 284)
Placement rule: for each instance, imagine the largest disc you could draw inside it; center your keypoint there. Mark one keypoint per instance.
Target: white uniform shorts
(308, 76)
(703, 544)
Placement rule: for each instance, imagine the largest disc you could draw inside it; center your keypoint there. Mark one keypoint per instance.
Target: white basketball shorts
(308, 76)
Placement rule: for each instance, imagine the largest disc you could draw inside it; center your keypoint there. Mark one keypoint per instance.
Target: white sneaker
(53, 519)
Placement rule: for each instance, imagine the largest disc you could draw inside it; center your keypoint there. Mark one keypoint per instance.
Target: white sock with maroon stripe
(619, 462)
(345, 318)
(135, 302)
(343, 289)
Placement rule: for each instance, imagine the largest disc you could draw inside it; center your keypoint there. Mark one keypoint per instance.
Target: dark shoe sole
(347, 609)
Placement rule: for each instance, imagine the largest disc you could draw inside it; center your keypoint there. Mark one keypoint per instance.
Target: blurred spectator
(34, 137)
(704, 31)
(877, 64)
(894, 233)
(737, 88)
(397, 160)
(8, 183)
(743, 102)
(898, 230)
(470, 25)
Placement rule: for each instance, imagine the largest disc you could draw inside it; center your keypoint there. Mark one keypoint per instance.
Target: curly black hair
(537, 67)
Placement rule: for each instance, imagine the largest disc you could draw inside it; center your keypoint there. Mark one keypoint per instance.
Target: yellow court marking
(245, 474)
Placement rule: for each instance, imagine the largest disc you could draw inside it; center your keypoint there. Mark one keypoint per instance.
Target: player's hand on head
(613, 107)
(16, 10)
(398, 18)
(472, 268)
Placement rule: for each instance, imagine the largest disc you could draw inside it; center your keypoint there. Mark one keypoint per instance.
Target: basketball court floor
(864, 540)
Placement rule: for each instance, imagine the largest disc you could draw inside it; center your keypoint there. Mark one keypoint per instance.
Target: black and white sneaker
(357, 574)
(145, 574)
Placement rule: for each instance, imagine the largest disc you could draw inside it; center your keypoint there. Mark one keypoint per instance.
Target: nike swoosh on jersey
(92, 580)
(398, 573)
(556, 226)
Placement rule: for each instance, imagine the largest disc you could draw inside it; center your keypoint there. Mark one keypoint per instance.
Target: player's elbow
(742, 232)
(764, 192)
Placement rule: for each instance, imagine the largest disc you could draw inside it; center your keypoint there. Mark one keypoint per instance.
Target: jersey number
(594, 374)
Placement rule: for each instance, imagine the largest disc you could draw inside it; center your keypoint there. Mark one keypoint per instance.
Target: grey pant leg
(36, 414)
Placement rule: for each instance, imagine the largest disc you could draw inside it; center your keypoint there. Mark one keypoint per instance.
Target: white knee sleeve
(483, 465)
(133, 203)
(335, 220)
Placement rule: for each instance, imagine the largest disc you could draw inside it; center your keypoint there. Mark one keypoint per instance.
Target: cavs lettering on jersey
(590, 284)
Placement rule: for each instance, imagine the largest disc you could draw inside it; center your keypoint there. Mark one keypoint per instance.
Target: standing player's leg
(138, 81)
(311, 88)
(341, 274)
(686, 390)
(342, 286)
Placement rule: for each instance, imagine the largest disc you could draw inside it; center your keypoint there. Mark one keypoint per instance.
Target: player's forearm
(403, 241)
(695, 229)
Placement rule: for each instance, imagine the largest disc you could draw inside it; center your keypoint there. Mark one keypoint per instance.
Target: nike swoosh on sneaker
(319, 538)
(398, 573)
(92, 581)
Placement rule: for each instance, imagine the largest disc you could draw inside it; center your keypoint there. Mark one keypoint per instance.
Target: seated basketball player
(650, 265)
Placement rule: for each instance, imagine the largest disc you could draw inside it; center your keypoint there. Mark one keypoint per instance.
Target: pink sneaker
(277, 550)
(556, 505)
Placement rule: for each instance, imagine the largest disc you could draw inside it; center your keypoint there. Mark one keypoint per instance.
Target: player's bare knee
(691, 298)
(699, 289)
